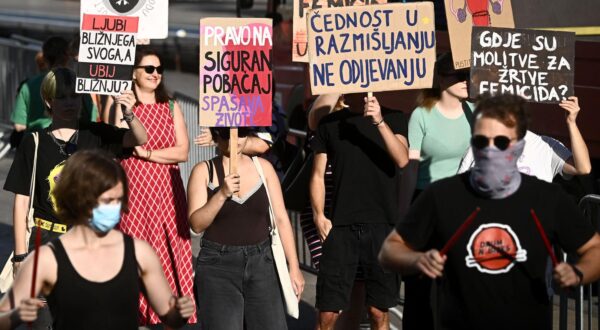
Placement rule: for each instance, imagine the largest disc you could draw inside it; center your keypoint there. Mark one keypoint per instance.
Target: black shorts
(346, 250)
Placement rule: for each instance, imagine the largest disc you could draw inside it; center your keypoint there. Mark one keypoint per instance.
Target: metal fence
(17, 62)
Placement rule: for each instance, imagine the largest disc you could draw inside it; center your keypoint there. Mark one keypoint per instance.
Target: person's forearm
(588, 264)
(255, 146)
(581, 156)
(317, 194)
(396, 150)
(203, 217)
(20, 209)
(137, 135)
(171, 155)
(397, 257)
(287, 240)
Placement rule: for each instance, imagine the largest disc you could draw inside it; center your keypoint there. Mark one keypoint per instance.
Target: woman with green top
(439, 131)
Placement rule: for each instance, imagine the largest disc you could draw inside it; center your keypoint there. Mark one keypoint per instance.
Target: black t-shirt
(50, 162)
(364, 175)
(494, 277)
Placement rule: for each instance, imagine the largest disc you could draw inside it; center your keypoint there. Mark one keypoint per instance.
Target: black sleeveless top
(79, 304)
(241, 221)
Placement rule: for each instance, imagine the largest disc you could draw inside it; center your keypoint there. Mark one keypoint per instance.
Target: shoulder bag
(6, 277)
(289, 296)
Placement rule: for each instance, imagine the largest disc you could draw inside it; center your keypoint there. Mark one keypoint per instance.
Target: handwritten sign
(373, 48)
(301, 8)
(462, 16)
(236, 84)
(106, 54)
(153, 14)
(538, 65)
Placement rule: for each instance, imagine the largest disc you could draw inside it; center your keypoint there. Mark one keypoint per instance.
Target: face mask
(495, 174)
(105, 217)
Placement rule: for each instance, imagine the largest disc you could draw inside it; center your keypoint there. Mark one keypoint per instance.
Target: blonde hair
(57, 83)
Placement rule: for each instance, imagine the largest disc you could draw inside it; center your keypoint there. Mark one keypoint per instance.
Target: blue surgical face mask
(105, 217)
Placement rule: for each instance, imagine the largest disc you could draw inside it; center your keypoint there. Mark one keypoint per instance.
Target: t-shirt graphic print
(494, 249)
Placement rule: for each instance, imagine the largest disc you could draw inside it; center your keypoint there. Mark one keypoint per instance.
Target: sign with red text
(153, 14)
(236, 84)
(537, 65)
(372, 48)
(106, 54)
(463, 15)
(301, 8)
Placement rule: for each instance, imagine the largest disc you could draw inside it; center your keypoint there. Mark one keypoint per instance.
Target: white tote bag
(6, 277)
(289, 296)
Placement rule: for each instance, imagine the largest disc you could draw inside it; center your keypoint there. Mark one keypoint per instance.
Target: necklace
(69, 147)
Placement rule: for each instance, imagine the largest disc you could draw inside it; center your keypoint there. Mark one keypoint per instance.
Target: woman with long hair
(236, 282)
(158, 206)
(93, 274)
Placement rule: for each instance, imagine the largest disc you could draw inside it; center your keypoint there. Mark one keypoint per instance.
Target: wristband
(577, 272)
(379, 123)
(18, 257)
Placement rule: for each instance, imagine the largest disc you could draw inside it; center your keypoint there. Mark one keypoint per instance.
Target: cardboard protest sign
(462, 19)
(299, 32)
(372, 48)
(236, 84)
(106, 54)
(538, 65)
(153, 14)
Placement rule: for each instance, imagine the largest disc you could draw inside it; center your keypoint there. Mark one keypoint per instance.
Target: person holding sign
(443, 112)
(366, 147)
(236, 282)
(158, 204)
(490, 273)
(545, 157)
(57, 143)
(93, 262)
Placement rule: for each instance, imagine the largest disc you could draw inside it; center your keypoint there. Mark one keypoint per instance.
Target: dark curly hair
(87, 175)
(510, 110)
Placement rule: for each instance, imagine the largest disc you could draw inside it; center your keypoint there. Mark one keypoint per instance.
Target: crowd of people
(457, 198)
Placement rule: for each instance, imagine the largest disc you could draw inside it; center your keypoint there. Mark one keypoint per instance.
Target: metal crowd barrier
(585, 299)
(17, 63)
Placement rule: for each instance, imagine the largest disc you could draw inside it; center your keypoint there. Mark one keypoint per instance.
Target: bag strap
(172, 108)
(261, 174)
(36, 140)
(468, 114)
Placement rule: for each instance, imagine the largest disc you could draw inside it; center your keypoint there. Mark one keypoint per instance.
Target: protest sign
(538, 65)
(301, 8)
(106, 54)
(462, 19)
(153, 14)
(236, 82)
(372, 48)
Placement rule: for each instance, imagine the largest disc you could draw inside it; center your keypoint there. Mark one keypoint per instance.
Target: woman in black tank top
(236, 282)
(92, 275)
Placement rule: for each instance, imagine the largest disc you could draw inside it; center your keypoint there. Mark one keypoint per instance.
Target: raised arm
(396, 144)
(282, 222)
(137, 133)
(172, 310)
(171, 155)
(323, 105)
(202, 212)
(580, 163)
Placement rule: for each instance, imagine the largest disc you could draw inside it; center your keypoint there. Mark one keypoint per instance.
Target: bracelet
(128, 117)
(577, 272)
(379, 123)
(18, 257)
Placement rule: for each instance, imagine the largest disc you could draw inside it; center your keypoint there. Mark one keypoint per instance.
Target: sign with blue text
(371, 48)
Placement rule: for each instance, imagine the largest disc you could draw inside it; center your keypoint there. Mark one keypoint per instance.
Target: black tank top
(79, 304)
(240, 221)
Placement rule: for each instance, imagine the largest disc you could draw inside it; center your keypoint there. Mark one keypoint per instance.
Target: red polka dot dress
(158, 207)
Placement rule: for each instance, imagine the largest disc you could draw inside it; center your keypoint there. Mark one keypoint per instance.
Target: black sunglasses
(480, 141)
(150, 68)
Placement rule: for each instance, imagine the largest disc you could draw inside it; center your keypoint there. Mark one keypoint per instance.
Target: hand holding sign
(373, 110)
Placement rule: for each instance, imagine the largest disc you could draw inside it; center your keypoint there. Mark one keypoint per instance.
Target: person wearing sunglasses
(482, 234)
(65, 135)
(438, 133)
(545, 157)
(158, 202)
(236, 283)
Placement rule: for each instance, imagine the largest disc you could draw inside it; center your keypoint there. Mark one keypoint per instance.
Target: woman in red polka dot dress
(157, 212)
